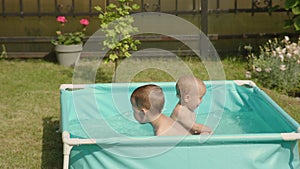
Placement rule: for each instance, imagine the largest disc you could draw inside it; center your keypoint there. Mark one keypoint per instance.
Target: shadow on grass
(52, 145)
(103, 76)
(51, 57)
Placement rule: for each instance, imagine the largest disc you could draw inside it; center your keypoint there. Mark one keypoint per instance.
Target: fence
(69, 7)
(203, 9)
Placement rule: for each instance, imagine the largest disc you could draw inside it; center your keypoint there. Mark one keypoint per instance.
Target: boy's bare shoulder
(174, 129)
(175, 112)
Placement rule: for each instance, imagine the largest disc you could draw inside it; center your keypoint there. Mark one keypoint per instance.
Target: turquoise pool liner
(250, 129)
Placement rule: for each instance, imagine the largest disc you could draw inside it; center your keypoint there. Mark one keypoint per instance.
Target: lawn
(29, 106)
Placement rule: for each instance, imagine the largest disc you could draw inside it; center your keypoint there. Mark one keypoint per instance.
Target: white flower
(286, 38)
(298, 61)
(294, 44)
(268, 70)
(281, 57)
(248, 74)
(273, 53)
(258, 69)
(278, 50)
(296, 52)
(282, 67)
(283, 50)
(248, 47)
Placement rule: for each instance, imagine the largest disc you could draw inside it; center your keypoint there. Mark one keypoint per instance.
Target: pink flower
(84, 22)
(68, 38)
(61, 19)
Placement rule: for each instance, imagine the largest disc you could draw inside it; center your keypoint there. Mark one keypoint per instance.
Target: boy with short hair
(190, 91)
(147, 104)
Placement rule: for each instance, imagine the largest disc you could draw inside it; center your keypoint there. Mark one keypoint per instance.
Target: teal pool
(250, 130)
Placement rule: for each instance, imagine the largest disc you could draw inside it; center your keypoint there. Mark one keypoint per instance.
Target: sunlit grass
(160, 69)
(29, 113)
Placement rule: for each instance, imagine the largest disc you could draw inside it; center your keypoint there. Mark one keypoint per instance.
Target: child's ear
(186, 98)
(201, 99)
(144, 110)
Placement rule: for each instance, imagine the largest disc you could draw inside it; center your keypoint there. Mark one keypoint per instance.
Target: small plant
(3, 53)
(277, 66)
(116, 23)
(69, 38)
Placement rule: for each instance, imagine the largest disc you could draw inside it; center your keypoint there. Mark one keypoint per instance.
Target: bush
(294, 7)
(277, 66)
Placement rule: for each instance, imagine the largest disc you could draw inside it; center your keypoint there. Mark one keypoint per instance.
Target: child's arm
(187, 119)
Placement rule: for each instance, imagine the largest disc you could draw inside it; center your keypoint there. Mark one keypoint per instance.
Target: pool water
(125, 125)
(104, 112)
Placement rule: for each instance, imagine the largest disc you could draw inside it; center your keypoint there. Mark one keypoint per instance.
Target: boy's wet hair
(149, 96)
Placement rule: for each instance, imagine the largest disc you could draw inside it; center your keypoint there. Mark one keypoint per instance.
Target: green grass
(29, 106)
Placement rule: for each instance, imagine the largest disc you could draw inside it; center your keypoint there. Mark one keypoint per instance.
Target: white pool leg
(68, 145)
(66, 152)
(66, 149)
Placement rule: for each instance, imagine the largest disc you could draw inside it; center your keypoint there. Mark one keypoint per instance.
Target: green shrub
(277, 66)
(117, 24)
(294, 7)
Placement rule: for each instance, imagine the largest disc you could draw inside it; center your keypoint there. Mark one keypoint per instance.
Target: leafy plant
(116, 23)
(277, 66)
(3, 53)
(69, 38)
(294, 7)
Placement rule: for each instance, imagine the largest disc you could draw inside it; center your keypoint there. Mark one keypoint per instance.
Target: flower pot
(68, 55)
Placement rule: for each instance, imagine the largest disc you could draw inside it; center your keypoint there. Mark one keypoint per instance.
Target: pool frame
(267, 139)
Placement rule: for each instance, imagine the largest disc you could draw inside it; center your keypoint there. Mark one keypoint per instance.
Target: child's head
(147, 102)
(190, 91)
